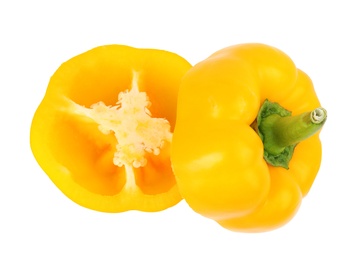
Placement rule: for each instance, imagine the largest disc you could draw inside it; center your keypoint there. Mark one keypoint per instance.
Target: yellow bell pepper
(102, 132)
(246, 145)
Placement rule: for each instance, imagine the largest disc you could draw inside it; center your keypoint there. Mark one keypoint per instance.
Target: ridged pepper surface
(246, 145)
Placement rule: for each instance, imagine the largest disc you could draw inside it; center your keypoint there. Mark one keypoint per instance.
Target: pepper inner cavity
(132, 124)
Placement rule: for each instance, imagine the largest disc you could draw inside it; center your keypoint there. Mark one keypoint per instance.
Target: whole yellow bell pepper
(246, 145)
(103, 130)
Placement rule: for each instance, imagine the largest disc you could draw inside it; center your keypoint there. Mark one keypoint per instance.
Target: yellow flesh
(136, 132)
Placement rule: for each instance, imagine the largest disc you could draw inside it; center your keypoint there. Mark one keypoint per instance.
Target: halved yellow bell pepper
(103, 131)
(246, 145)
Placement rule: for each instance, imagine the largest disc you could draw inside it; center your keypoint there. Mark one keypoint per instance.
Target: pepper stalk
(280, 132)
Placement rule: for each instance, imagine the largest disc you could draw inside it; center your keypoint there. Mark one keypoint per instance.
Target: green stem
(281, 132)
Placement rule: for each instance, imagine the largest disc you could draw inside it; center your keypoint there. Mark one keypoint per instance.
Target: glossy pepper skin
(95, 106)
(217, 155)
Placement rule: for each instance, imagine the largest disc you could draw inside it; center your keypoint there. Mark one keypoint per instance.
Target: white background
(38, 222)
